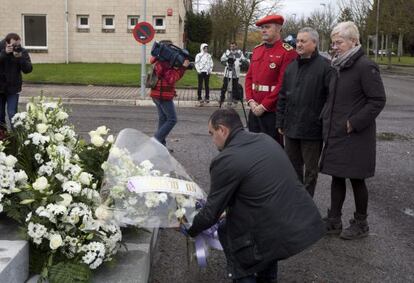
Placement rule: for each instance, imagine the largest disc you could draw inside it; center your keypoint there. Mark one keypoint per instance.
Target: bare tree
(251, 10)
(323, 20)
(359, 10)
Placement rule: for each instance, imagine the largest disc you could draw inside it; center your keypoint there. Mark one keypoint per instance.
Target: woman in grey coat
(356, 97)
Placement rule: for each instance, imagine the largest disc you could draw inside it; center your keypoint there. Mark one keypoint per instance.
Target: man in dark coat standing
(269, 216)
(301, 98)
(356, 97)
(14, 60)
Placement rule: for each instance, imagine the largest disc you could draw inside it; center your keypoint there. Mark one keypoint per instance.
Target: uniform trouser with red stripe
(266, 123)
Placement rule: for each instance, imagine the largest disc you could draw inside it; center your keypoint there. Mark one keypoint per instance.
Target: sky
(304, 7)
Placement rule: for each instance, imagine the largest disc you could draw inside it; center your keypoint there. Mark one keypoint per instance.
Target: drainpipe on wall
(66, 32)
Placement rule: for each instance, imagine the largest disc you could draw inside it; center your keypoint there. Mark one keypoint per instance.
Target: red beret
(276, 19)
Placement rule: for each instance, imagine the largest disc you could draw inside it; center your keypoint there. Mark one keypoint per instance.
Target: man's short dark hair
(11, 36)
(226, 117)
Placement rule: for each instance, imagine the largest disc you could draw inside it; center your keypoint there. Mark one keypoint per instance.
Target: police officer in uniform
(265, 76)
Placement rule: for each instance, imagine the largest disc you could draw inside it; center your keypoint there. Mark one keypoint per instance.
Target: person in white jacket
(204, 66)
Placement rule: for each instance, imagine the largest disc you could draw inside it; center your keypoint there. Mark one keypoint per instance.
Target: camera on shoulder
(171, 53)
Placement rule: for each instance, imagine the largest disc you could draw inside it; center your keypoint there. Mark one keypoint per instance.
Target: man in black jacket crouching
(269, 216)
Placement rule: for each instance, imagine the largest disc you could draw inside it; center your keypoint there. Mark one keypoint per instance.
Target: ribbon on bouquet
(205, 240)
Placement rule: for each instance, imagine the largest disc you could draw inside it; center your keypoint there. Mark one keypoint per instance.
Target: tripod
(235, 92)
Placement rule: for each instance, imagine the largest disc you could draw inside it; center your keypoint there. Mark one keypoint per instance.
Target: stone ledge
(14, 261)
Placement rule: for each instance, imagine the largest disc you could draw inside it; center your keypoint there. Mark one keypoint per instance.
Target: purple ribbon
(205, 240)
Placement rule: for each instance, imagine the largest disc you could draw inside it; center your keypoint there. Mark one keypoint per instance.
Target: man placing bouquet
(269, 215)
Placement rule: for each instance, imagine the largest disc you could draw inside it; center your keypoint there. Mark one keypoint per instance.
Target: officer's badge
(287, 46)
(272, 65)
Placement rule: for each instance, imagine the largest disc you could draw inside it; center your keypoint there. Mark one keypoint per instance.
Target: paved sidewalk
(77, 94)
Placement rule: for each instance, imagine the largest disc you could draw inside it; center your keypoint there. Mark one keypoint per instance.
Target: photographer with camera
(14, 60)
(232, 58)
(204, 67)
(169, 63)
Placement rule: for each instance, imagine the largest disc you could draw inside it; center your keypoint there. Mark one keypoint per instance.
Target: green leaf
(66, 272)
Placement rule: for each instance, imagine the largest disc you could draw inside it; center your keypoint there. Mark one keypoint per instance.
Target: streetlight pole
(143, 52)
(376, 32)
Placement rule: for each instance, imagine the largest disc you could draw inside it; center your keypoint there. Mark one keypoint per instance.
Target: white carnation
(102, 130)
(67, 199)
(61, 115)
(97, 140)
(85, 178)
(71, 187)
(10, 160)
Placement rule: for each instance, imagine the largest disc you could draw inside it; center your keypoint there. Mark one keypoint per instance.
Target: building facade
(100, 31)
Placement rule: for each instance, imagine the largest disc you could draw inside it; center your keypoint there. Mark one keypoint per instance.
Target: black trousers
(203, 77)
(265, 124)
(234, 83)
(304, 155)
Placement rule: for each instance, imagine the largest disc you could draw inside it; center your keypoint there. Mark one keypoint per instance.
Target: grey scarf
(338, 62)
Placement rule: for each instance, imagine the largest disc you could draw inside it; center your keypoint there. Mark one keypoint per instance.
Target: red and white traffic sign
(143, 32)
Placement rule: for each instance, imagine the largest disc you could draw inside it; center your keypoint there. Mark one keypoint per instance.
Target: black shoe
(357, 229)
(207, 101)
(333, 224)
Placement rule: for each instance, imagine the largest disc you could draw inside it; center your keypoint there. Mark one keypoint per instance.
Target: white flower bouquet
(147, 186)
(45, 187)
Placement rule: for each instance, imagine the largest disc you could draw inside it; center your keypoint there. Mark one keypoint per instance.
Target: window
(132, 21)
(108, 22)
(83, 21)
(35, 31)
(159, 22)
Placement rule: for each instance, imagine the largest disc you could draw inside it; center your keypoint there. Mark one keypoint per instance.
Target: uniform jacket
(302, 97)
(269, 214)
(267, 67)
(11, 69)
(167, 77)
(238, 58)
(203, 61)
(356, 93)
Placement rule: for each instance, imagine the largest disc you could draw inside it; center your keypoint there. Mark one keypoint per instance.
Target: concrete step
(14, 261)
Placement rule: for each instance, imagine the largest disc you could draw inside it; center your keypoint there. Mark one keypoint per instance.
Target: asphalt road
(387, 255)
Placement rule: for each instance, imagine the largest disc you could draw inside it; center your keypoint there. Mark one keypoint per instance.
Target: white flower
(179, 213)
(10, 160)
(29, 216)
(61, 115)
(102, 212)
(1, 207)
(36, 230)
(55, 241)
(40, 184)
(115, 152)
(21, 176)
(110, 139)
(102, 130)
(67, 199)
(59, 137)
(61, 178)
(71, 187)
(85, 178)
(163, 197)
(97, 141)
(147, 165)
(42, 128)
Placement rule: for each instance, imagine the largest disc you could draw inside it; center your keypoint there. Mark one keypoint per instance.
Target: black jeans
(304, 155)
(265, 124)
(203, 77)
(234, 83)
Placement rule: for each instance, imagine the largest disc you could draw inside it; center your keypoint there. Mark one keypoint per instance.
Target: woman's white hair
(347, 30)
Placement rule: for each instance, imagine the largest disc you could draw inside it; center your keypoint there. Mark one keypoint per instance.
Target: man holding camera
(14, 60)
(168, 73)
(265, 75)
(232, 58)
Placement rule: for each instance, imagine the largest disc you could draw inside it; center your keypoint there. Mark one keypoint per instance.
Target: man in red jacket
(163, 94)
(265, 76)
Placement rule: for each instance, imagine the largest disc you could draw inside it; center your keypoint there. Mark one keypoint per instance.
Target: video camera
(171, 53)
(17, 48)
(291, 40)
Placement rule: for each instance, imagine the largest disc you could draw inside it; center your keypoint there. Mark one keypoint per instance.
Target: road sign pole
(143, 52)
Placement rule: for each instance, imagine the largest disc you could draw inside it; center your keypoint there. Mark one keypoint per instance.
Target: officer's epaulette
(258, 45)
(287, 46)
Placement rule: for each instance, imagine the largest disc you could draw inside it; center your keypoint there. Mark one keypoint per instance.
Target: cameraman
(164, 92)
(14, 59)
(232, 58)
